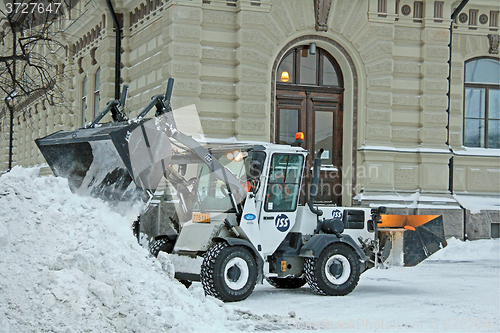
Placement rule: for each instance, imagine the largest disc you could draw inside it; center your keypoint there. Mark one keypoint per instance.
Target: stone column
(50, 119)
(4, 143)
(17, 150)
(434, 86)
(258, 38)
(377, 48)
(181, 57)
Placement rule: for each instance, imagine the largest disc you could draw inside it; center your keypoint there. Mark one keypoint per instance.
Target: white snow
(477, 152)
(405, 150)
(477, 203)
(457, 250)
(472, 202)
(71, 264)
(456, 290)
(409, 200)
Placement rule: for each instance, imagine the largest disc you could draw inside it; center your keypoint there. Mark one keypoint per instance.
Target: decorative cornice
(322, 9)
(494, 41)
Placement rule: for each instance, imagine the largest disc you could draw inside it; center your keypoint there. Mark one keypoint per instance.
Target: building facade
(366, 80)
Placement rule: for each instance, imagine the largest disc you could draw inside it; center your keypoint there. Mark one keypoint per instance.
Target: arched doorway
(309, 94)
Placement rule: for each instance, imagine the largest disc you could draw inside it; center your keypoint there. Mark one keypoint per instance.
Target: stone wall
(481, 225)
(223, 55)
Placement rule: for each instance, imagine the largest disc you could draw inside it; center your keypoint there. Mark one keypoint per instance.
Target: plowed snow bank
(71, 264)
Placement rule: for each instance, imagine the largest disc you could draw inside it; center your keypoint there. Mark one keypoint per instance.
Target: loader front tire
(286, 283)
(335, 272)
(228, 273)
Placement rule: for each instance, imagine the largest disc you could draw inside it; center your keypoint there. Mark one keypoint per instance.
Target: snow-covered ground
(455, 290)
(71, 264)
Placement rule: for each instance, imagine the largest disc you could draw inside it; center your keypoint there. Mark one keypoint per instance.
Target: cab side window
(284, 183)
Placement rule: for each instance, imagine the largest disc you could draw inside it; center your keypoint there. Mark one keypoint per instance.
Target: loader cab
(280, 196)
(212, 192)
(202, 194)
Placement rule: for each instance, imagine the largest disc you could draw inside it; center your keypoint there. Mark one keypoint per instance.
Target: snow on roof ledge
(465, 151)
(475, 204)
(478, 203)
(478, 152)
(405, 150)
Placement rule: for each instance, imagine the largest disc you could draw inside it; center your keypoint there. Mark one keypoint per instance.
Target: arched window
(309, 94)
(309, 87)
(97, 86)
(84, 99)
(482, 103)
(305, 66)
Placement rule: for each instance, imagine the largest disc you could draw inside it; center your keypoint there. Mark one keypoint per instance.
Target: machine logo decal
(282, 222)
(208, 158)
(337, 214)
(249, 217)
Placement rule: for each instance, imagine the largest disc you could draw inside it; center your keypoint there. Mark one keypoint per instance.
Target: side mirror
(255, 168)
(182, 169)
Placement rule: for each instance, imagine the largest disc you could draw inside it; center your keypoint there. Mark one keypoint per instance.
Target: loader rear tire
(162, 244)
(335, 272)
(286, 283)
(228, 273)
(165, 245)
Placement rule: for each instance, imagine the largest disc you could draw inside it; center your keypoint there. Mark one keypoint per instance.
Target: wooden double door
(319, 115)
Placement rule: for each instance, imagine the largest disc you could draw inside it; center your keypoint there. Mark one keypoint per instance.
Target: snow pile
(457, 250)
(70, 264)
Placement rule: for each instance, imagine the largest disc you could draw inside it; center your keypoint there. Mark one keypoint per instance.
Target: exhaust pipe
(313, 189)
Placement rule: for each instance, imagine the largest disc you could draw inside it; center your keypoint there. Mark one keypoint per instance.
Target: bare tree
(30, 43)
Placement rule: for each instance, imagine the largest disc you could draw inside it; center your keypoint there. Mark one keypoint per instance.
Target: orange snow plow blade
(407, 240)
(400, 221)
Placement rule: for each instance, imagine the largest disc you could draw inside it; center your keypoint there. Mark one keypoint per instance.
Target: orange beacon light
(299, 138)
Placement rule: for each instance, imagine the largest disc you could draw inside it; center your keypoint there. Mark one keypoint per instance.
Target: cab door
(281, 198)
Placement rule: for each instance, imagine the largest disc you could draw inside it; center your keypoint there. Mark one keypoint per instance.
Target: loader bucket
(97, 160)
(90, 162)
(407, 240)
(146, 151)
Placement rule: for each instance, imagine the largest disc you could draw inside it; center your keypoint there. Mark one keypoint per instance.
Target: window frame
(486, 87)
(97, 89)
(321, 54)
(84, 104)
(270, 183)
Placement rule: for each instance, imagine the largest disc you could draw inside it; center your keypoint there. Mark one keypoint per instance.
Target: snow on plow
(407, 240)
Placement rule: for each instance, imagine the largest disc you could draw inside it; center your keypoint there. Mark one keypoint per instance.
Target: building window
(84, 99)
(418, 10)
(382, 6)
(303, 67)
(97, 97)
(473, 16)
(309, 88)
(438, 9)
(482, 103)
(494, 19)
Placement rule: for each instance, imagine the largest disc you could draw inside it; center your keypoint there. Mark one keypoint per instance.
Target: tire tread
(311, 272)
(207, 269)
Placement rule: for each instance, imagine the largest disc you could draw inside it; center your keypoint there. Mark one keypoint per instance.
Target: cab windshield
(198, 189)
